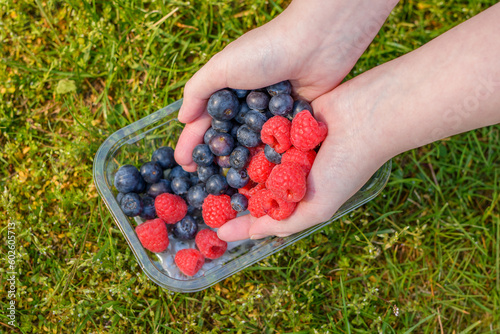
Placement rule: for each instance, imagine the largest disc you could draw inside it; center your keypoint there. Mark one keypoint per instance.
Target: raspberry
(246, 189)
(255, 150)
(189, 261)
(276, 133)
(265, 202)
(255, 205)
(306, 133)
(217, 210)
(259, 167)
(153, 235)
(288, 182)
(305, 159)
(255, 210)
(258, 187)
(209, 244)
(171, 208)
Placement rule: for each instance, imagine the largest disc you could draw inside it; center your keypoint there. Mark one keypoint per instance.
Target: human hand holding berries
(400, 105)
(336, 174)
(313, 43)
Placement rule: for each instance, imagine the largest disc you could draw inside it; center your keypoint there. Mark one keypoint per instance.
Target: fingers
(300, 220)
(247, 226)
(221, 71)
(191, 136)
(198, 89)
(316, 207)
(236, 229)
(334, 178)
(256, 59)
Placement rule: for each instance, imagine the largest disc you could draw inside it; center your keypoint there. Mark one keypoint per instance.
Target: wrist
(348, 25)
(353, 129)
(334, 33)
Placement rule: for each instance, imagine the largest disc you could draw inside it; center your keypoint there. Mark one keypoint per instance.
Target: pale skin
(449, 86)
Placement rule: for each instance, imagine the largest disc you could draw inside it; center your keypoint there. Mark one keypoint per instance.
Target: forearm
(450, 85)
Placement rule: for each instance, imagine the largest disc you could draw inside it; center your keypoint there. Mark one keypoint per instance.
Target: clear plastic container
(134, 144)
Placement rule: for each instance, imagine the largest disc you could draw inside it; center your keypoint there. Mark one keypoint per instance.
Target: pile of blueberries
(138, 188)
(237, 119)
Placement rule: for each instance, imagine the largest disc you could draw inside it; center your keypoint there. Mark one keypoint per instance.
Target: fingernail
(258, 236)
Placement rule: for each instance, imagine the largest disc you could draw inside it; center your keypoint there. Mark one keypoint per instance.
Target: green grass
(423, 257)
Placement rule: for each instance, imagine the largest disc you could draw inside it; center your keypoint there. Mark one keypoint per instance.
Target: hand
(403, 104)
(347, 159)
(313, 43)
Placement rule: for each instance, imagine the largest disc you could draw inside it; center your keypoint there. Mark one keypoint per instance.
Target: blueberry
(180, 185)
(247, 137)
(231, 191)
(164, 156)
(119, 197)
(234, 131)
(237, 178)
(196, 195)
(127, 179)
(255, 120)
(151, 172)
(141, 186)
(301, 105)
(240, 117)
(209, 134)
(186, 228)
(221, 144)
(223, 161)
(223, 105)
(196, 213)
(148, 208)
(268, 114)
(193, 177)
(281, 105)
(202, 155)
(204, 173)
(240, 157)
(177, 171)
(241, 93)
(216, 184)
(222, 126)
(283, 87)
(272, 155)
(158, 188)
(131, 204)
(239, 202)
(257, 100)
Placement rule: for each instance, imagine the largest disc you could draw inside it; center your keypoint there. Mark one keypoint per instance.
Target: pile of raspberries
(277, 188)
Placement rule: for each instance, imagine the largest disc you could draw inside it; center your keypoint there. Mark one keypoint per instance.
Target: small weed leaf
(65, 86)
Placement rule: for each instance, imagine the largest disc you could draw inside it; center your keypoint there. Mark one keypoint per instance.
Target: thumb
(209, 79)
(254, 60)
